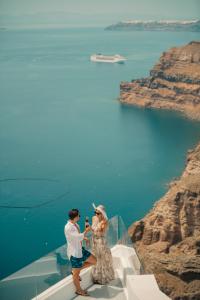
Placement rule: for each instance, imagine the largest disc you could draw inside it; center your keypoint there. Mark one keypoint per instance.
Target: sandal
(82, 293)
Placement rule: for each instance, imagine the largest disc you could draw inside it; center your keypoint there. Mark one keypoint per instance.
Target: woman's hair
(73, 213)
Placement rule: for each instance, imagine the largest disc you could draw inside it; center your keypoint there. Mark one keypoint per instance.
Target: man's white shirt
(74, 239)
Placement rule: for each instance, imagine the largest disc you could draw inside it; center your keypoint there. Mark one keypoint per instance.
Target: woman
(103, 271)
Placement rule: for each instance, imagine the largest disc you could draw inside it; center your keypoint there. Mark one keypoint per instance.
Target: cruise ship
(107, 58)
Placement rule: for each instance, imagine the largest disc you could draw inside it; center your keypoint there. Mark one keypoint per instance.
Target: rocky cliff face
(174, 83)
(168, 237)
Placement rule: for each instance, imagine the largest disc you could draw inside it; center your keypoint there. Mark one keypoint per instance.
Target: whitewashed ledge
(128, 285)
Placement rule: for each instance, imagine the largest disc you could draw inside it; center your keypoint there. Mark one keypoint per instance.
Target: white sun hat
(101, 209)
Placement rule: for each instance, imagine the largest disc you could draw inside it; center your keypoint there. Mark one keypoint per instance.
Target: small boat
(107, 58)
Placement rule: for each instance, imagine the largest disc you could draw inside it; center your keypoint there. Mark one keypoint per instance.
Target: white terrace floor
(128, 285)
(114, 290)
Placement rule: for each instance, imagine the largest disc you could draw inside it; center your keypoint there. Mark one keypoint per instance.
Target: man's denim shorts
(78, 262)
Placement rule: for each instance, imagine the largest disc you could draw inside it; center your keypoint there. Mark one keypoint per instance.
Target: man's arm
(75, 234)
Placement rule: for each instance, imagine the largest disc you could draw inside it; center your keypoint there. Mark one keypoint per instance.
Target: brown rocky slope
(168, 237)
(174, 83)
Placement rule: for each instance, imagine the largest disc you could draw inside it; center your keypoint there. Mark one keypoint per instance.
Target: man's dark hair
(73, 213)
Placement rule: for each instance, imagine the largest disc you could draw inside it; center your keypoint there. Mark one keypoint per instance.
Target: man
(79, 257)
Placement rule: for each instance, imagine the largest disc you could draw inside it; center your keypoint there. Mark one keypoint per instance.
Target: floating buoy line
(59, 197)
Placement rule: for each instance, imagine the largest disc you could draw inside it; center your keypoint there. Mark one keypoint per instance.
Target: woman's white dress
(103, 271)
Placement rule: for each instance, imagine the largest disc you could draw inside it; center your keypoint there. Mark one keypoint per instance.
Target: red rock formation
(168, 237)
(174, 83)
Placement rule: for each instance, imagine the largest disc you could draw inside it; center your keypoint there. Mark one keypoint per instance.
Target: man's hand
(87, 229)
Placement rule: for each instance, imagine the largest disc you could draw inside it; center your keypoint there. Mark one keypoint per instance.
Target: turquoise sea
(66, 141)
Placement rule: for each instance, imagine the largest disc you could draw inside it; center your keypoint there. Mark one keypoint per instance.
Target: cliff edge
(174, 83)
(168, 237)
